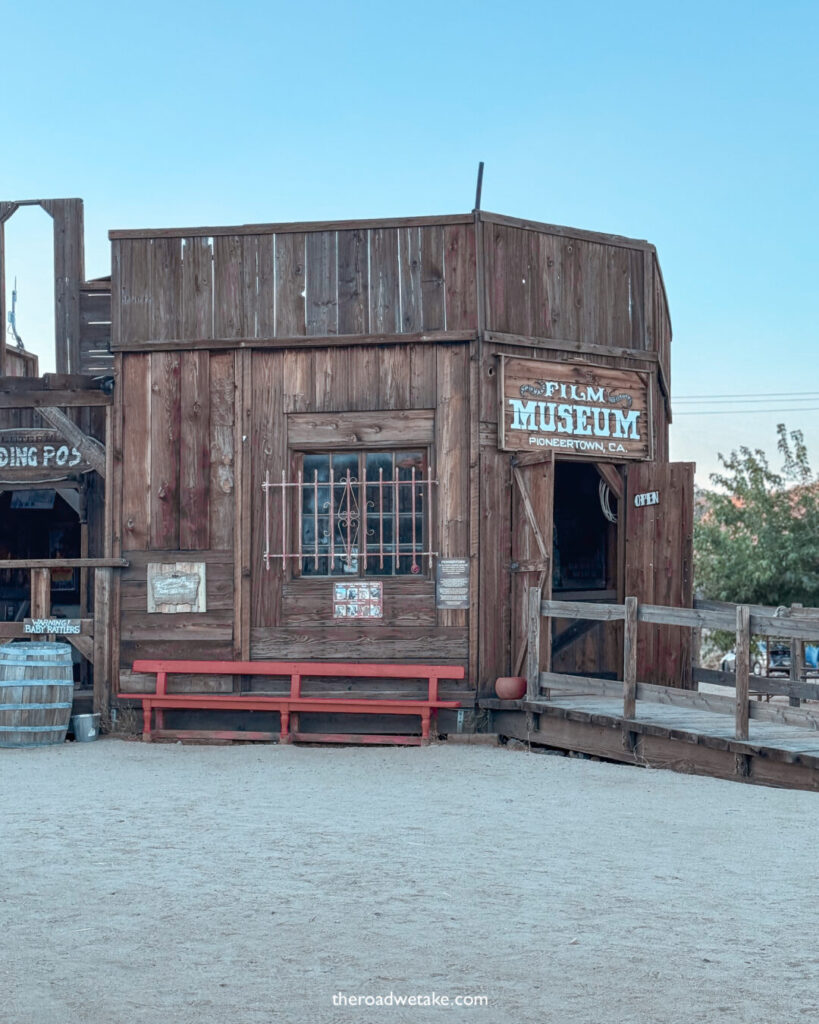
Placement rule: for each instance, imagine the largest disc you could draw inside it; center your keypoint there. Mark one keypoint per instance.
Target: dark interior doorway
(38, 524)
(585, 538)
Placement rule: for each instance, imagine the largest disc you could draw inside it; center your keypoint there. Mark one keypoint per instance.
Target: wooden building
(364, 440)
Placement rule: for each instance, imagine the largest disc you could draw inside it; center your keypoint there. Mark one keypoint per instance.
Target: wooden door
(659, 510)
(532, 516)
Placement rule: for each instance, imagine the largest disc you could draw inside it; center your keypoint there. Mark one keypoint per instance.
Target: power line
(737, 397)
(743, 412)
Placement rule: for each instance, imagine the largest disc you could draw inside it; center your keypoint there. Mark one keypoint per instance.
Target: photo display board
(574, 409)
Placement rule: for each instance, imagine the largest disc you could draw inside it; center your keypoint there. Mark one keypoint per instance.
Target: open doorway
(39, 523)
(585, 568)
(584, 559)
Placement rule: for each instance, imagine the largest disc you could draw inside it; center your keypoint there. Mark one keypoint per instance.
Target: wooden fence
(796, 625)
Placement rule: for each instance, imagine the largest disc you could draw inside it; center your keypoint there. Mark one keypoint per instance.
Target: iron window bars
(356, 513)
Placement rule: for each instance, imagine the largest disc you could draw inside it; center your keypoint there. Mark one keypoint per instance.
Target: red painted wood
(294, 702)
(302, 668)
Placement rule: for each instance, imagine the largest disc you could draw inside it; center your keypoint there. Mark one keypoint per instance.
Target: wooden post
(797, 660)
(630, 659)
(40, 593)
(103, 579)
(743, 669)
(90, 449)
(533, 645)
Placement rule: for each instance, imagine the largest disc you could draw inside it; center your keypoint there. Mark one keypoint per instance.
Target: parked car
(728, 663)
(780, 659)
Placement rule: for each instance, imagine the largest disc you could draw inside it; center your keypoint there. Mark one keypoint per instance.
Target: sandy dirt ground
(252, 884)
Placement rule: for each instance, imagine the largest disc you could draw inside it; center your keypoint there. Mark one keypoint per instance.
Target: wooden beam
(52, 382)
(298, 342)
(743, 668)
(630, 659)
(565, 232)
(584, 610)
(530, 515)
(40, 593)
(293, 227)
(797, 657)
(89, 447)
(48, 399)
(103, 580)
(580, 348)
(612, 478)
(84, 644)
(64, 563)
(533, 644)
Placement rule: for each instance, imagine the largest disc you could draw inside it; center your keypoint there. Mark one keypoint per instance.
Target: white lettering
(48, 453)
(62, 455)
(564, 413)
(547, 425)
(75, 457)
(581, 414)
(601, 422)
(623, 422)
(524, 414)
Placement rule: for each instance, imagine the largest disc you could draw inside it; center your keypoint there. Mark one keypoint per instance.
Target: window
(356, 513)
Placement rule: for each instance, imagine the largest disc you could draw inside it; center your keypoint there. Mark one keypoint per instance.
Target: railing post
(630, 659)
(797, 656)
(40, 593)
(103, 669)
(533, 645)
(742, 668)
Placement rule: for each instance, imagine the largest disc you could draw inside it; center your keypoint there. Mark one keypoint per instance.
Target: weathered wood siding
(177, 495)
(233, 341)
(95, 354)
(544, 285)
(658, 567)
(381, 281)
(349, 397)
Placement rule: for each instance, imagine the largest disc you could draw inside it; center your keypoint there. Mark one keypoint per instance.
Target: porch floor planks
(697, 722)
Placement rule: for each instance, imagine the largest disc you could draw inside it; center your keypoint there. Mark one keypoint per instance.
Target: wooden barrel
(36, 693)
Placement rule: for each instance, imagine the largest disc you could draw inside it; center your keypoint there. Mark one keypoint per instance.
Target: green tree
(756, 539)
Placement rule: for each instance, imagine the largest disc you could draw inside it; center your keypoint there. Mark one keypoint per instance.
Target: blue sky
(694, 126)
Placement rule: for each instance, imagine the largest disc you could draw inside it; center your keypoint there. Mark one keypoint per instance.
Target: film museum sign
(38, 455)
(574, 409)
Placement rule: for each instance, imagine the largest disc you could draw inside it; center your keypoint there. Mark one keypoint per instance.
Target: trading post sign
(574, 409)
(33, 455)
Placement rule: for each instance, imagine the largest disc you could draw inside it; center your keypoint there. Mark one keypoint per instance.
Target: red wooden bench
(292, 702)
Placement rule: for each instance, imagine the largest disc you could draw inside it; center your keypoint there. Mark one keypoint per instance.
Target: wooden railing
(93, 638)
(796, 625)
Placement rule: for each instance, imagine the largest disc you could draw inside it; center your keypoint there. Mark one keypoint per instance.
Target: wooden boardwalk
(692, 739)
(731, 737)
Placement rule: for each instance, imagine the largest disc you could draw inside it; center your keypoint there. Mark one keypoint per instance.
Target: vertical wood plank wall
(192, 471)
(202, 424)
(583, 293)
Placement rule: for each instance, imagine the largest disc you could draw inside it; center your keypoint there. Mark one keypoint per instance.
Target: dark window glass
(364, 514)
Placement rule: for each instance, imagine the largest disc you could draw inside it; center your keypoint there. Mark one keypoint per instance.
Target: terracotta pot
(510, 687)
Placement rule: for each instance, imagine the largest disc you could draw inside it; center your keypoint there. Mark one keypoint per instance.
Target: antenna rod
(480, 186)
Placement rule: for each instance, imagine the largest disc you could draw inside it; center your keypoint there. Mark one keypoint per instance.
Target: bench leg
(425, 717)
(146, 721)
(285, 727)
